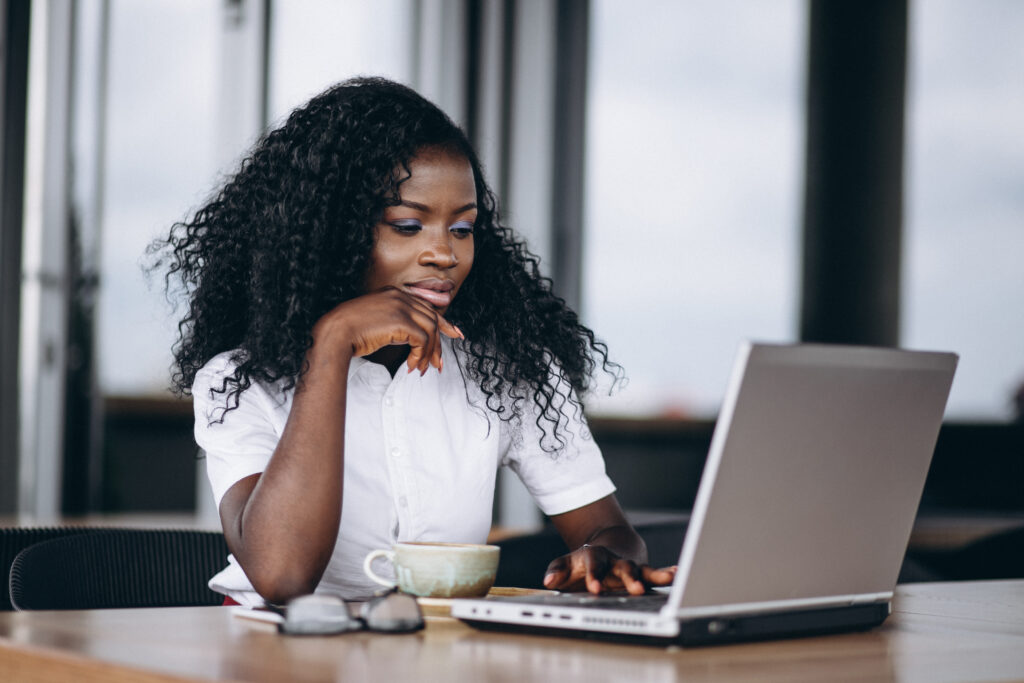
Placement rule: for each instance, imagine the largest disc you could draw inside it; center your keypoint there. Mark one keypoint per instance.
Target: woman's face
(424, 246)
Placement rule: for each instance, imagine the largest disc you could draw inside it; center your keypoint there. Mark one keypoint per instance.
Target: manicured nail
(461, 336)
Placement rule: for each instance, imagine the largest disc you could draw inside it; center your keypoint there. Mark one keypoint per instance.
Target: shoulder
(211, 377)
(215, 393)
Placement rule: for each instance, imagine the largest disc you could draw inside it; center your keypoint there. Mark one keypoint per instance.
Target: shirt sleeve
(241, 443)
(568, 478)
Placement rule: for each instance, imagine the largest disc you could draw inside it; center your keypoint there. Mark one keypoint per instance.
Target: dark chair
(115, 568)
(524, 559)
(997, 556)
(15, 539)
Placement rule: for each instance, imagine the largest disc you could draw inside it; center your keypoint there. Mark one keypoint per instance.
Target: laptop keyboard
(651, 602)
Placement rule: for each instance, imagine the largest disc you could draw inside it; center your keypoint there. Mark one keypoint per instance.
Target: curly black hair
(289, 236)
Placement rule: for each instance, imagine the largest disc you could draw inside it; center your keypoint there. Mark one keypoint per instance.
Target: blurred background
(691, 173)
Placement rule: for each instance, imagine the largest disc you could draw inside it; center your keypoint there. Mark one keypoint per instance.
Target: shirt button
(395, 452)
(388, 401)
(403, 501)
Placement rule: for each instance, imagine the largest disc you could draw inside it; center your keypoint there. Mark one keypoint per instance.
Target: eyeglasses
(391, 612)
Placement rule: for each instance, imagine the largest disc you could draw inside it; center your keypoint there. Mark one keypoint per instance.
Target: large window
(157, 164)
(694, 170)
(694, 181)
(963, 271)
(161, 157)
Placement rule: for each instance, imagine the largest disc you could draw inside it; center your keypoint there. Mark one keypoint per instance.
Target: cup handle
(373, 555)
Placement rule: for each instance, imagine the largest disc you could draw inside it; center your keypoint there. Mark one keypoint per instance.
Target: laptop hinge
(784, 605)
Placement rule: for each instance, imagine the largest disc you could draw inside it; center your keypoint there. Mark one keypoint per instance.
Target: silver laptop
(804, 509)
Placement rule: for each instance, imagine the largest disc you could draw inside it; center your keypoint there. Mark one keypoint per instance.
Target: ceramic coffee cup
(438, 570)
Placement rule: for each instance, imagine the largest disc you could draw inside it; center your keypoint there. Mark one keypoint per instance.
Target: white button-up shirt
(421, 456)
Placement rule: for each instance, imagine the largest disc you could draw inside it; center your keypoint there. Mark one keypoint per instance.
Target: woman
(366, 343)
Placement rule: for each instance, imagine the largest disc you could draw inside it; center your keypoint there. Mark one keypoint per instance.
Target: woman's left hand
(596, 569)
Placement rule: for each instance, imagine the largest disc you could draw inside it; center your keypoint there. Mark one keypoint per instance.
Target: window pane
(694, 168)
(315, 43)
(159, 164)
(963, 275)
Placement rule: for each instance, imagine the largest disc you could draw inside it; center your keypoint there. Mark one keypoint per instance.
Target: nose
(439, 251)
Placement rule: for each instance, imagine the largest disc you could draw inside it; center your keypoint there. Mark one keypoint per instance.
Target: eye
(461, 229)
(407, 226)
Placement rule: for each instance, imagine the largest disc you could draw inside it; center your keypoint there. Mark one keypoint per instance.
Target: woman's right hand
(387, 317)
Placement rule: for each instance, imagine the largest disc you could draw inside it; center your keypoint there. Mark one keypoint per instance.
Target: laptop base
(720, 630)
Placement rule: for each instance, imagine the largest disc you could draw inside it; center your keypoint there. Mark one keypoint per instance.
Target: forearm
(284, 530)
(601, 523)
(282, 525)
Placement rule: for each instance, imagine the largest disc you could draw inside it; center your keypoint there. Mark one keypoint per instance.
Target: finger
(417, 332)
(417, 339)
(570, 573)
(415, 357)
(557, 573)
(597, 570)
(450, 329)
(434, 345)
(629, 574)
(428, 320)
(445, 326)
(438, 327)
(658, 577)
(426, 353)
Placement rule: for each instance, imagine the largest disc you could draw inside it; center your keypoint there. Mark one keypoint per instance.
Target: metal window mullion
(531, 126)
(242, 105)
(45, 287)
(490, 122)
(568, 152)
(14, 27)
(853, 197)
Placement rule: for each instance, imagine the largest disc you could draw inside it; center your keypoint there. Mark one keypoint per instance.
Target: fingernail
(461, 336)
(549, 579)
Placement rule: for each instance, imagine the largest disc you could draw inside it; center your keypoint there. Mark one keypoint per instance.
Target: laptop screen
(814, 475)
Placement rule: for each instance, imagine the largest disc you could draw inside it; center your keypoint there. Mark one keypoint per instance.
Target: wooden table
(938, 632)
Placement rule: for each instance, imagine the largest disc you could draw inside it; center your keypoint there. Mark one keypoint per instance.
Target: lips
(434, 291)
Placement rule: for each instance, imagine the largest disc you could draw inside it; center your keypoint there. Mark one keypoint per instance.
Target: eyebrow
(426, 209)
